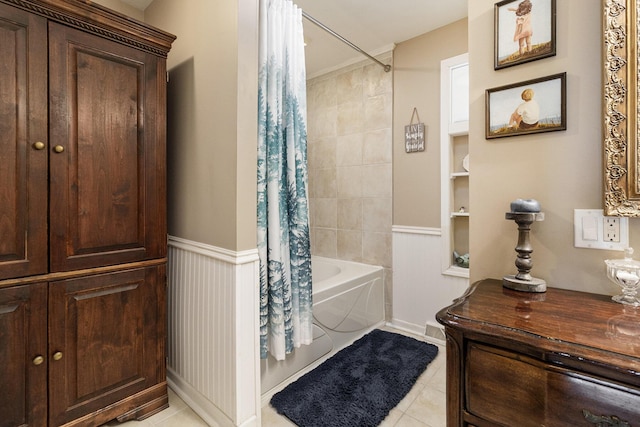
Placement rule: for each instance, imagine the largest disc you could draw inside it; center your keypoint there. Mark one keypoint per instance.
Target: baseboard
(407, 327)
(431, 333)
(205, 409)
(435, 332)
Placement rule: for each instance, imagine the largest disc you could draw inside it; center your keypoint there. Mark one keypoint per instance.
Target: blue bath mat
(359, 385)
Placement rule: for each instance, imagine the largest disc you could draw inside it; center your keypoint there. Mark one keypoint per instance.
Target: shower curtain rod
(386, 67)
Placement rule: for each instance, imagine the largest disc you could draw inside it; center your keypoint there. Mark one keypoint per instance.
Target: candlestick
(523, 281)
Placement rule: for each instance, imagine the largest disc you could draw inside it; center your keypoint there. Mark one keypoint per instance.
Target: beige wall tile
(322, 123)
(312, 210)
(376, 80)
(326, 242)
(349, 182)
(350, 245)
(351, 118)
(388, 293)
(349, 150)
(322, 153)
(325, 183)
(377, 147)
(376, 248)
(311, 185)
(378, 112)
(377, 180)
(377, 214)
(312, 237)
(326, 213)
(350, 214)
(349, 86)
(321, 93)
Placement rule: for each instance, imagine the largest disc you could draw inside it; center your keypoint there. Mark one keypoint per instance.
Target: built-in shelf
(454, 270)
(454, 146)
(457, 174)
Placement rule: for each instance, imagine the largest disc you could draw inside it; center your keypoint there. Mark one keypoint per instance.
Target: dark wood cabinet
(23, 124)
(108, 333)
(107, 182)
(82, 215)
(557, 358)
(23, 353)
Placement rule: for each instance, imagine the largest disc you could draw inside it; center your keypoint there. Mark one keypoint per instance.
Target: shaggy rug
(359, 385)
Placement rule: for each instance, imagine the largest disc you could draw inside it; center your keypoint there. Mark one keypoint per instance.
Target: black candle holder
(523, 281)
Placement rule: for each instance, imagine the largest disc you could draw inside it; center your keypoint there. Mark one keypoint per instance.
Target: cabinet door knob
(58, 148)
(57, 355)
(39, 145)
(38, 360)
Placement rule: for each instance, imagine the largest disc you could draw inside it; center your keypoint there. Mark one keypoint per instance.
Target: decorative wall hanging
(414, 134)
(524, 31)
(532, 106)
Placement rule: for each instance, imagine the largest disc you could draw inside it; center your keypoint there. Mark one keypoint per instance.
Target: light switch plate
(590, 230)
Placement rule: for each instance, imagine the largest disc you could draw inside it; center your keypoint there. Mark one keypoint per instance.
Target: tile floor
(178, 414)
(424, 405)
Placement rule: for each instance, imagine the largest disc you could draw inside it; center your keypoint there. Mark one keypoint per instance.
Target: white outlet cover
(588, 216)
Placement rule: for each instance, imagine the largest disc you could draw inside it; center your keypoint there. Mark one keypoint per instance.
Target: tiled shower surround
(349, 115)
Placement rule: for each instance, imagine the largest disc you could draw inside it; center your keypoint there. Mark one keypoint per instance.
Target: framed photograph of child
(531, 106)
(525, 30)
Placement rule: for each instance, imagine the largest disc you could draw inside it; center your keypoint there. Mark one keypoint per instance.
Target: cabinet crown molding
(99, 20)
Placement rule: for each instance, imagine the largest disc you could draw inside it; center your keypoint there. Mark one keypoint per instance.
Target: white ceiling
(373, 25)
(138, 4)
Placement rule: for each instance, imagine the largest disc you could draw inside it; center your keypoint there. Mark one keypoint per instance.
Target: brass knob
(57, 355)
(58, 148)
(38, 360)
(39, 145)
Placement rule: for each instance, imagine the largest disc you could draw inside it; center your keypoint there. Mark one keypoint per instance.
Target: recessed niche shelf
(454, 150)
(455, 175)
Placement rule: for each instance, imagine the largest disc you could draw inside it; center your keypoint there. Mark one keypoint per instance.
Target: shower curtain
(283, 217)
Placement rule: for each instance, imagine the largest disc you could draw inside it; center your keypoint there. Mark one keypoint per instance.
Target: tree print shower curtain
(283, 215)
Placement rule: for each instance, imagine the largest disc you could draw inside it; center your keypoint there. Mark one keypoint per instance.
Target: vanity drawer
(508, 388)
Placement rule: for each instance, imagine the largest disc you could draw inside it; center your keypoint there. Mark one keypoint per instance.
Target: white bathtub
(348, 302)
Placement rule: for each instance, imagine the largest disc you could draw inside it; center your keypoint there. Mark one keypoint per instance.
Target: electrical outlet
(611, 229)
(593, 230)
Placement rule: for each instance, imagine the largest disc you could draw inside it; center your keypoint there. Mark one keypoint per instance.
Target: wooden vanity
(558, 358)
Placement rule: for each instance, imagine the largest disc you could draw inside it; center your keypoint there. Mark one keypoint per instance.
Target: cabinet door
(107, 335)
(23, 122)
(23, 353)
(108, 163)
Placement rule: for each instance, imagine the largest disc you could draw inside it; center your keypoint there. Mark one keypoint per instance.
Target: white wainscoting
(420, 289)
(213, 332)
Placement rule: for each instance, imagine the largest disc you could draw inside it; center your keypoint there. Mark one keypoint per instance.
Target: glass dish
(626, 274)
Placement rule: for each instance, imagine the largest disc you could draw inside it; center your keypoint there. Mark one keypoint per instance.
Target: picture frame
(525, 31)
(510, 111)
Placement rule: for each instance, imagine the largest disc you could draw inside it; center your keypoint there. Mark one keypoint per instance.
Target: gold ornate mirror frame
(621, 132)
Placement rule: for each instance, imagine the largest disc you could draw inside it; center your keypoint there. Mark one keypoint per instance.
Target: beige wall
(562, 170)
(350, 163)
(416, 176)
(213, 145)
(123, 8)
(212, 129)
